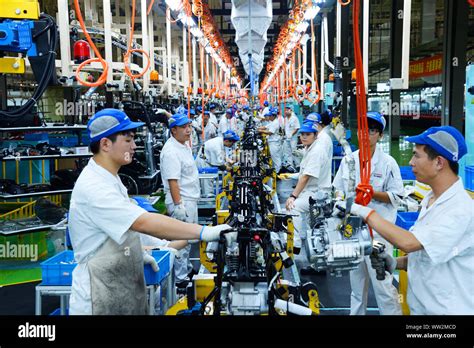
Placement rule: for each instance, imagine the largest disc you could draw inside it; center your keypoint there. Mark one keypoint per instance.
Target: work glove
(160, 111)
(339, 208)
(338, 132)
(360, 210)
(212, 233)
(179, 212)
(150, 260)
(383, 260)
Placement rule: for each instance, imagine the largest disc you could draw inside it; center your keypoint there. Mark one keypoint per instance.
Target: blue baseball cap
(289, 106)
(178, 120)
(246, 107)
(309, 127)
(268, 114)
(274, 111)
(377, 116)
(212, 106)
(199, 108)
(445, 140)
(109, 121)
(145, 204)
(230, 135)
(265, 103)
(313, 117)
(230, 111)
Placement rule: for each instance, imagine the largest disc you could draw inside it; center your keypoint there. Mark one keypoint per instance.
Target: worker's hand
(360, 210)
(150, 260)
(179, 212)
(338, 132)
(339, 208)
(212, 233)
(383, 260)
(290, 204)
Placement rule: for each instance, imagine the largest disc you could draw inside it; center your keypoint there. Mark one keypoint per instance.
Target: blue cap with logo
(313, 117)
(309, 127)
(230, 135)
(265, 103)
(378, 117)
(212, 106)
(230, 111)
(445, 140)
(144, 203)
(109, 121)
(178, 120)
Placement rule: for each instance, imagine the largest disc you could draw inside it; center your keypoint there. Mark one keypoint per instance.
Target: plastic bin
(208, 170)
(162, 258)
(57, 270)
(57, 312)
(470, 178)
(407, 173)
(406, 219)
(36, 137)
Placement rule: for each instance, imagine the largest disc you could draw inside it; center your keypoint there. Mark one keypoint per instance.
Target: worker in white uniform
(213, 154)
(314, 175)
(265, 110)
(210, 129)
(180, 179)
(212, 114)
(227, 122)
(440, 245)
(387, 183)
(103, 225)
(292, 125)
(274, 130)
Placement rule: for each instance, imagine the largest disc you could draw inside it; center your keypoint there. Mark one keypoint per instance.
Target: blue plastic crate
(162, 258)
(406, 219)
(208, 170)
(57, 312)
(407, 173)
(57, 270)
(37, 137)
(470, 178)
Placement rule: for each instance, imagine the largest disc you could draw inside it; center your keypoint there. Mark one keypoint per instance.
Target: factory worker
(103, 225)
(440, 245)
(266, 109)
(180, 179)
(212, 114)
(314, 175)
(387, 183)
(210, 129)
(292, 125)
(274, 130)
(227, 122)
(213, 154)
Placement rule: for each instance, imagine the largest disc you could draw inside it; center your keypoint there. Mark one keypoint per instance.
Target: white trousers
(386, 294)
(300, 221)
(182, 265)
(275, 152)
(290, 145)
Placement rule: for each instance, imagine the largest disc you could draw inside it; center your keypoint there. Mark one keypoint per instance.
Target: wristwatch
(292, 195)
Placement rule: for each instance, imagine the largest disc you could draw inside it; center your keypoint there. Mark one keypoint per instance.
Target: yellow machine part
(203, 285)
(313, 302)
(12, 65)
(179, 306)
(402, 288)
(19, 9)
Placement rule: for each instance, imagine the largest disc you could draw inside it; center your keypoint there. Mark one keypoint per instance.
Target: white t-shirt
(214, 151)
(441, 275)
(210, 130)
(384, 177)
(316, 163)
(274, 127)
(177, 162)
(226, 124)
(100, 209)
(291, 124)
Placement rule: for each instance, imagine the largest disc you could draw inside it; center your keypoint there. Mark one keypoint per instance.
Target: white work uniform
(384, 177)
(100, 211)
(210, 130)
(441, 275)
(274, 142)
(226, 124)
(177, 162)
(212, 119)
(291, 141)
(212, 154)
(316, 163)
(265, 111)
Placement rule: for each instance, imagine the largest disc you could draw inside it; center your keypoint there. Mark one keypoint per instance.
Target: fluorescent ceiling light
(311, 12)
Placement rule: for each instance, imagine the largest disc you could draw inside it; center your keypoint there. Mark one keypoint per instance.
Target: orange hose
(127, 54)
(103, 77)
(315, 72)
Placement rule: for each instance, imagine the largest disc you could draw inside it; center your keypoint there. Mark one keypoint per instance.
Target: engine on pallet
(336, 242)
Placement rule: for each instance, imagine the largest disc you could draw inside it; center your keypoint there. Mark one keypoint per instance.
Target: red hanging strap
(364, 190)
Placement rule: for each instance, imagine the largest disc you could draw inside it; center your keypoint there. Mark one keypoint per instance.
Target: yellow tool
(12, 65)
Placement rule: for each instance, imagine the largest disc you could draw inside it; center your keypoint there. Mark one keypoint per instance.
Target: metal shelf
(13, 158)
(34, 194)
